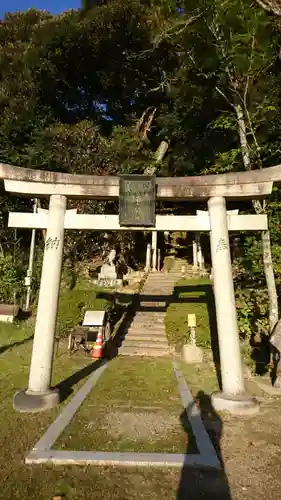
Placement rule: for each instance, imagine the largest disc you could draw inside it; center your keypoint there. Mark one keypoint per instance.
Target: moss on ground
(139, 410)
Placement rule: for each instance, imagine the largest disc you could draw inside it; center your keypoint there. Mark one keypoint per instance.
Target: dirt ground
(251, 452)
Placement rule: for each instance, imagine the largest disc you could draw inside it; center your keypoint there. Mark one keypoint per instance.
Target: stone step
(148, 331)
(146, 314)
(163, 282)
(145, 338)
(163, 277)
(141, 323)
(147, 323)
(139, 344)
(152, 352)
(138, 328)
(157, 316)
(152, 303)
(155, 295)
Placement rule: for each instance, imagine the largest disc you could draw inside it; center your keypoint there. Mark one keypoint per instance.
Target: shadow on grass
(204, 484)
(206, 297)
(65, 387)
(110, 351)
(6, 347)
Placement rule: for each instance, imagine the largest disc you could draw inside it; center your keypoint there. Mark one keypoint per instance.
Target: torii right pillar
(233, 397)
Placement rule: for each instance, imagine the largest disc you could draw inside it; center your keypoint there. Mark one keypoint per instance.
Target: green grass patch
(135, 407)
(14, 334)
(191, 297)
(200, 377)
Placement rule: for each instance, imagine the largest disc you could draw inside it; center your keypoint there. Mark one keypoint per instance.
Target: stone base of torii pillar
(32, 402)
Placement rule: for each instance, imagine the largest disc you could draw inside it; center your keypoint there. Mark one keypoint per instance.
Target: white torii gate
(58, 218)
(214, 189)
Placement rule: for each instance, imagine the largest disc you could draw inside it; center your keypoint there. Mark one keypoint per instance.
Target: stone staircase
(146, 335)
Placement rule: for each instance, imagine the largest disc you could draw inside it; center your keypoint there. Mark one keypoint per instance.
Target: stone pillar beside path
(154, 251)
(148, 257)
(200, 256)
(195, 254)
(39, 395)
(233, 397)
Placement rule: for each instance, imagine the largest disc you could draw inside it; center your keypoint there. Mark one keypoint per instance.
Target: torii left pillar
(39, 395)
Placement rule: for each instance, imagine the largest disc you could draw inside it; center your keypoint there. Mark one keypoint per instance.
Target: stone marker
(107, 275)
(190, 352)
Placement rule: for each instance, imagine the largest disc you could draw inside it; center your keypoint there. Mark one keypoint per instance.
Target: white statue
(111, 257)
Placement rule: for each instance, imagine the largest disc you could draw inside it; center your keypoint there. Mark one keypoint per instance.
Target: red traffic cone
(97, 349)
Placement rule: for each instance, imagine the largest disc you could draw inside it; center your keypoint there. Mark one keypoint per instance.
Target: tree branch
(273, 6)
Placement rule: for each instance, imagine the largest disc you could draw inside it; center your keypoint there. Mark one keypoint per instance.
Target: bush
(11, 279)
(252, 311)
(72, 305)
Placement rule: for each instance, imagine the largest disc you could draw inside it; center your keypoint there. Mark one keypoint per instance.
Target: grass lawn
(139, 411)
(19, 433)
(191, 297)
(139, 397)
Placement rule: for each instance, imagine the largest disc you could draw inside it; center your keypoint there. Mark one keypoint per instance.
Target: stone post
(158, 260)
(200, 257)
(39, 395)
(233, 397)
(154, 251)
(195, 254)
(148, 257)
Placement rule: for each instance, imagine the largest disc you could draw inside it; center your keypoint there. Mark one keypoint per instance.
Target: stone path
(146, 334)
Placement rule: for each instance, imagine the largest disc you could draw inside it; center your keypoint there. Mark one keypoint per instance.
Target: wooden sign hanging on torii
(137, 200)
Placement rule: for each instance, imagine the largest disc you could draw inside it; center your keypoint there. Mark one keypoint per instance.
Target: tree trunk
(243, 137)
(158, 157)
(270, 280)
(44, 231)
(266, 245)
(271, 6)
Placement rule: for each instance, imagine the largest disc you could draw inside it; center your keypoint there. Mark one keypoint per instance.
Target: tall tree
(225, 89)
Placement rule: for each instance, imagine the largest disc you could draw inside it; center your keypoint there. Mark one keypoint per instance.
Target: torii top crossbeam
(246, 185)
